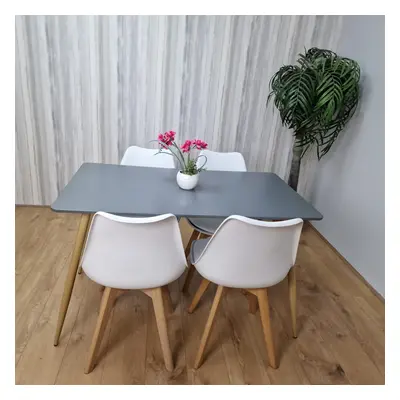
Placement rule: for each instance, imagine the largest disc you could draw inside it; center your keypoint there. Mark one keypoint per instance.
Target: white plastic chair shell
(247, 253)
(141, 157)
(133, 253)
(217, 161)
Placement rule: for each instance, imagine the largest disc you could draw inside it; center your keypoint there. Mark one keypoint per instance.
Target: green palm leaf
(316, 98)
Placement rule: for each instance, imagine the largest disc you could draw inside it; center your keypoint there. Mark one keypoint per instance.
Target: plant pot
(187, 182)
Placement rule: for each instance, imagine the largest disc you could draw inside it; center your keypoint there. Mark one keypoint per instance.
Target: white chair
(134, 253)
(141, 157)
(251, 255)
(203, 227)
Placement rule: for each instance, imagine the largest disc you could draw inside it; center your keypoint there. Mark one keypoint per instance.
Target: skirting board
(371, 288)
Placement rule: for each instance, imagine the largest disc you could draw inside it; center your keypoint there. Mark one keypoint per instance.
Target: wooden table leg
(84, 243)
(69, 282)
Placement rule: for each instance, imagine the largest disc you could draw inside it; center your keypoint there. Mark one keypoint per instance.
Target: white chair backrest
(141, 157)
(222, 161)
(248, 253)
(133, 253)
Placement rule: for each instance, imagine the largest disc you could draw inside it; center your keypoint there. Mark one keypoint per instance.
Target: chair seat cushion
(197, 248)
(205, 225)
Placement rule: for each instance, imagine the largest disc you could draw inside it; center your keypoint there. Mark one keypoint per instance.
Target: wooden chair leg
(199, 294)
(251, 299)
(292, 299)
(69, 282)
(193, 237)
(167, 300)
(209, 324)
(263, 303)
(158, 304)
(253, 303)
(84, 243)
(105, 308)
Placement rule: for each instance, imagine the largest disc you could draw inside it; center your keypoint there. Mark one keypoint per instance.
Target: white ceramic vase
(187, 182)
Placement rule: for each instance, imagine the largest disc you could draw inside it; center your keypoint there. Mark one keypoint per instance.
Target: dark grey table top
(141, 191)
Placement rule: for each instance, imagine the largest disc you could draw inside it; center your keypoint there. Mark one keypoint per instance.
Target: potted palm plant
(316, 98)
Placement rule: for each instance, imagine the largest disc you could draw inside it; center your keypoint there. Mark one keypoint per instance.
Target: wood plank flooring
(341, 334)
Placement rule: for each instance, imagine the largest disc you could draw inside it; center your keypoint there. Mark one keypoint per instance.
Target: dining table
(146, 191)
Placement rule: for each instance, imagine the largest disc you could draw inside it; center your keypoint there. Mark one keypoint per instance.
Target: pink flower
(172, 135)
(199, 144)
(167, 138)
(186, 146)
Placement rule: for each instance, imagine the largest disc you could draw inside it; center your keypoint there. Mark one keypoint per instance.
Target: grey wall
(350, 182)
(87, 87)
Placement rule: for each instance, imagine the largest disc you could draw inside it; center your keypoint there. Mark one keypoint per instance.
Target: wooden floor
(341, 322)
